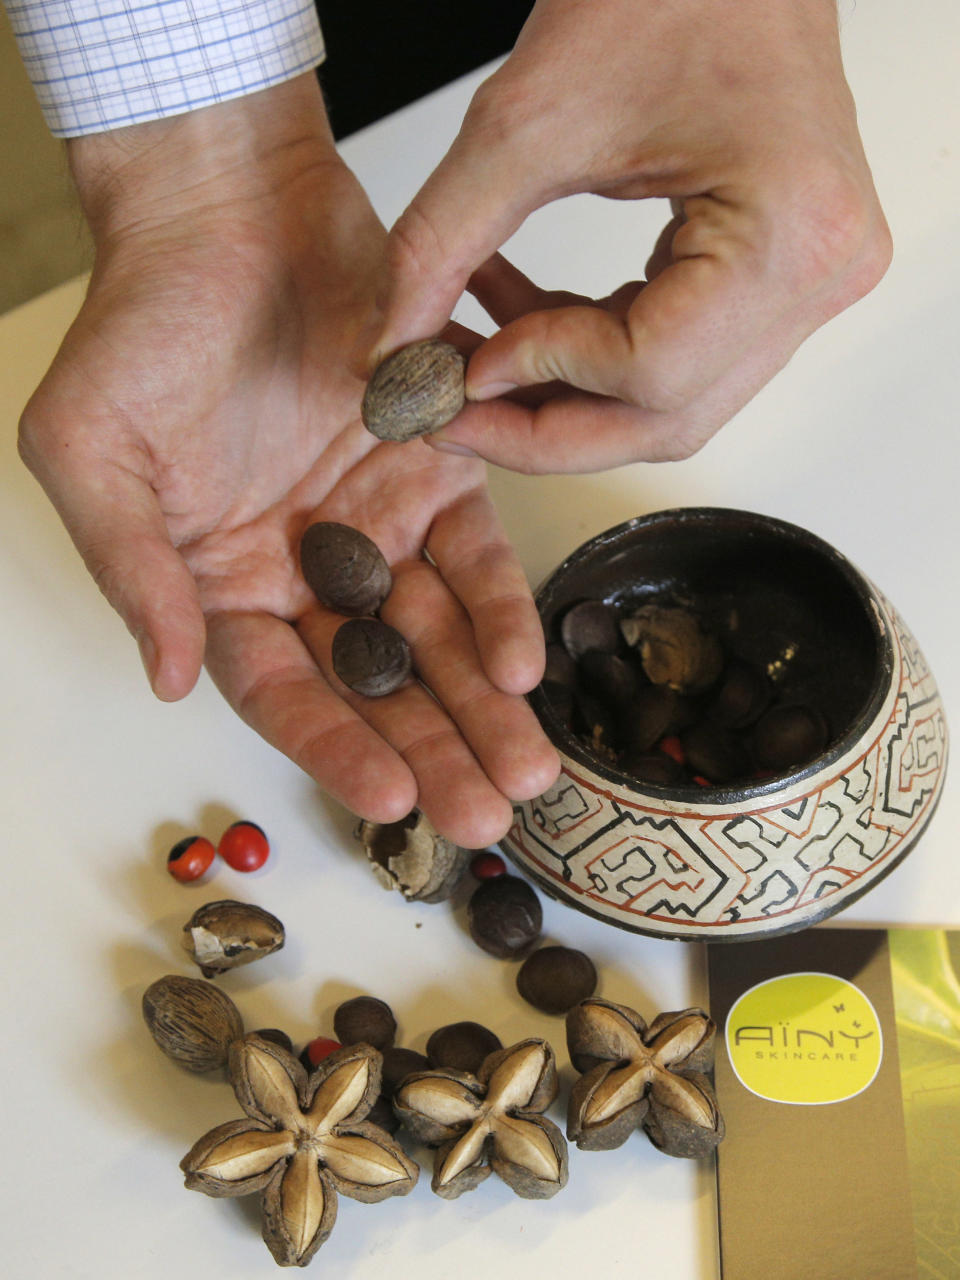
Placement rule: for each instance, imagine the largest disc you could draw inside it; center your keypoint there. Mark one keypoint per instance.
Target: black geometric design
(713, 867)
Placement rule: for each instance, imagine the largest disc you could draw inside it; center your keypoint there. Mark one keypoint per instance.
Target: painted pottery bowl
(775, 853)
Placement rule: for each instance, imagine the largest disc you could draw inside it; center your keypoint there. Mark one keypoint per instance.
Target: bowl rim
(694, 796)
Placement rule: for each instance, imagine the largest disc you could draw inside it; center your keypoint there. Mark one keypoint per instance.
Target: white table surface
(857, 440)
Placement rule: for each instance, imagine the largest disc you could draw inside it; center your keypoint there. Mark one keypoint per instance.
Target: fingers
(692, 322)
(115, 522)
(574, 432)
(479, 194)
(500, 728)
(382, 757)
(270, 678)
(476, 561)
(471, 748)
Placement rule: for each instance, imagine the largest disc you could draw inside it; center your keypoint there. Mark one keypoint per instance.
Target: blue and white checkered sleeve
(101, 64)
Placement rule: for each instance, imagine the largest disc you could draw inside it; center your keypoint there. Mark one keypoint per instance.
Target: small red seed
(487, 866)
(244, 846)
(319, 1048)
(190, 858)
(701, 781)
(672, 746)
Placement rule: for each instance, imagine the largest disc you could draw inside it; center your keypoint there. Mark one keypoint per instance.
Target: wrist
(248, 148)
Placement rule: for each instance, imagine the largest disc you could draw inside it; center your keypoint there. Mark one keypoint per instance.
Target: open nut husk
(222, 935)
(413, 857)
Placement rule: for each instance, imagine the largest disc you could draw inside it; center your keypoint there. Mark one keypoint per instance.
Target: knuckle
(845, 237)
(506, 111)
(415, 244)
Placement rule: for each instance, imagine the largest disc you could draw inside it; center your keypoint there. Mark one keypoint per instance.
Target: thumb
(680, 333)
(478, 195)
(117, 526)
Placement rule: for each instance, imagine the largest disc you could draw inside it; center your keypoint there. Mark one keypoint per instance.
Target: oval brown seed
(417, 390)
(590, 625)
(554, 979)
(786, 736)
(344, 568)
(366, 1019)
(370, 657)
(505, 916)
(398, 1063)
(462, 1046)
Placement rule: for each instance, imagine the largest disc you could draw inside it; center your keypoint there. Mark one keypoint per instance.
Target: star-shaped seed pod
(304, 1140)
(642, 1076)
(490, 1122)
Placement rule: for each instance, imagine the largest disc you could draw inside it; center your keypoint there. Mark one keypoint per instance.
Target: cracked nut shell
(412, 856)
(415, 391)
(225, 934)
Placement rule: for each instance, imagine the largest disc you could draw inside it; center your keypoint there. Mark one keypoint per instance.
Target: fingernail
(491, 390)
(450, 446)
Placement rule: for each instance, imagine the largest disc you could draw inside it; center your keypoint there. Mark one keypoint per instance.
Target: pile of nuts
(655, 693)
(324, 1125)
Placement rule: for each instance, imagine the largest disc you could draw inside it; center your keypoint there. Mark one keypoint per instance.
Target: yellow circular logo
(805, 1038)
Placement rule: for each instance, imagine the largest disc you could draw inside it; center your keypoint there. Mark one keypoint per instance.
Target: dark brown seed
(370, 657)
(418, 389)
(786, 736)
(462, 1046)
(554, 979)
(561, 699)
(740, 697)
(654, 767)
(596, 722)
(560, 667)
(655, 711)
(590, 625)
(397, 1065)
(365, 1019)
(344, 569)
(383, 1115)
(608, 676)
(276, 1037)
(505, 916)
(715, 753)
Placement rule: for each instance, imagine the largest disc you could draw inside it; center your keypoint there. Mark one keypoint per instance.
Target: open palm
(203, 409)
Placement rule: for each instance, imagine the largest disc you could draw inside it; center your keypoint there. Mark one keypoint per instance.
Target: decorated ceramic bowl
(770, 854)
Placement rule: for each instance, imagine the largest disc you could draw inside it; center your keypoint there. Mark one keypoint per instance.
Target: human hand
(204, 408)
(739, 113)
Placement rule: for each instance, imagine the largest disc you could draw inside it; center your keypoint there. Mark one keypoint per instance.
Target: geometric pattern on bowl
(758, 866)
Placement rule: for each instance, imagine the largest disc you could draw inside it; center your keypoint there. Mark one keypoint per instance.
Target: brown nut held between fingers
(417, 390)
(223, 935)
(370, 657)
(344, 568)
